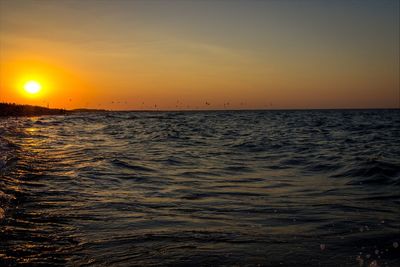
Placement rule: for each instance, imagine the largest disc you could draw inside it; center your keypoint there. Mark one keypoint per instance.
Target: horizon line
(200, 109)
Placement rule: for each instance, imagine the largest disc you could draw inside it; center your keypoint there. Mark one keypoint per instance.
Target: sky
(127, 55)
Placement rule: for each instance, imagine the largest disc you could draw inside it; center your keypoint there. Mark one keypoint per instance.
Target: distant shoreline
(16, 110)
(11, 110)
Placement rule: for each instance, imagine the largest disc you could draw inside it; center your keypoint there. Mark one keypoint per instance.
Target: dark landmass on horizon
(17, 110)
(11, 109)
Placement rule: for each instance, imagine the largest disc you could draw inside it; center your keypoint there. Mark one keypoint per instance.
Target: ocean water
(217, 188)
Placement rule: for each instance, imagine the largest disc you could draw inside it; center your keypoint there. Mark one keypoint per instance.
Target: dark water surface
(269, 188)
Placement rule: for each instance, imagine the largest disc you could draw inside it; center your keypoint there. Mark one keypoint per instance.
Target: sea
(201, 188)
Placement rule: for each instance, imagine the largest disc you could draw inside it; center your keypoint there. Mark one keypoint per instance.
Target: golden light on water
(32, 87)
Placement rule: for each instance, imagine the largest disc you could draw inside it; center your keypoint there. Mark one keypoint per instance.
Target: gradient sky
(182, 54)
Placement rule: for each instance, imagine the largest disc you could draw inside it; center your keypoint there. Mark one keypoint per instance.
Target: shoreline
(16, 110)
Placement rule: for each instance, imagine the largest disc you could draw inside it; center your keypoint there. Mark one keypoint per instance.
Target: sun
(32, 87)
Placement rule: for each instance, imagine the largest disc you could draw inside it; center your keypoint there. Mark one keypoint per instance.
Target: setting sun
(32, 87)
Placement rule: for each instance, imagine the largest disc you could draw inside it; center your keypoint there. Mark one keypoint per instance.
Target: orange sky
(181, 54)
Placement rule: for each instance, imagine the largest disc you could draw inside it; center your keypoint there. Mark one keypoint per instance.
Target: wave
(123, 164)
(8, 161)
(372, 171)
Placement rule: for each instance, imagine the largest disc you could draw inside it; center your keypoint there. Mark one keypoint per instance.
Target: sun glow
(32, 87)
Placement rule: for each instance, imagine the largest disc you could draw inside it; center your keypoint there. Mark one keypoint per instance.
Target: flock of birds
(178, 105)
